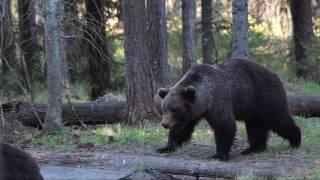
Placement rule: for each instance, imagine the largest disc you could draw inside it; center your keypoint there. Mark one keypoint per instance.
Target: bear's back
(262, 80)
(253, 86)
(245, 85)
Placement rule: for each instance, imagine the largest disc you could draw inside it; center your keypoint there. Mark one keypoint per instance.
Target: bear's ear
(190, 93)
(162, 92)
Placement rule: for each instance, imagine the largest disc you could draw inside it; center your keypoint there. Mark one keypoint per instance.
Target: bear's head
(176, 105)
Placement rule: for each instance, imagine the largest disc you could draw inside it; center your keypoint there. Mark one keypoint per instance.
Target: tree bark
(7, 39)
(53, 11)
(73, 37)
(303, 35)
(207, 35)
(157, 38)
(138, 75)
(188, 27)
(28, 41)
(99, 56)
(240, 34)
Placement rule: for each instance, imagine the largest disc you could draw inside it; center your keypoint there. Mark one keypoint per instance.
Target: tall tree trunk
(72, 38)
(28, 41)
(7, 39)
(158, 43)
(139, 84)
(53, 15)
(240, 34)
(188, 42)
(99, 57)
(303, 35)
(207, 35)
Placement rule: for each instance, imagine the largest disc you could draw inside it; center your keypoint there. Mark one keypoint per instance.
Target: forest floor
(120, 152)
(116, 151)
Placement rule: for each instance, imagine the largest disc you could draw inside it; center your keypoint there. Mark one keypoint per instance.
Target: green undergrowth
(119, 136)
(309, 88)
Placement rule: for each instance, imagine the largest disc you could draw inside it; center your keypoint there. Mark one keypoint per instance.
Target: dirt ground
(289, 163)
(293, 164)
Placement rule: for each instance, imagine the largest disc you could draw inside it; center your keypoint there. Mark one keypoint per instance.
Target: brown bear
(233, 90)
(15, 164)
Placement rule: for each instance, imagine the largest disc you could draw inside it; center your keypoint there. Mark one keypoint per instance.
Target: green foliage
(140, 134)
(80, 91)
(241, 129)
(203, 134)
(95, 139)
(310, 133)
(63, 141)
(122, 136)
(175, 55)
(309, 87)
(314, 174)
(40, 96)
(9, 88)
(118, 65)
(223, 46)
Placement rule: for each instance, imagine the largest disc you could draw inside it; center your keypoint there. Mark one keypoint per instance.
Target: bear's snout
(167, 122)
(166, 126)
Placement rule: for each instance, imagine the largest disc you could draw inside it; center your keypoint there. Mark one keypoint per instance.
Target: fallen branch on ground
(304, 105)
(90, 113)
(115, 111)
(169, 165)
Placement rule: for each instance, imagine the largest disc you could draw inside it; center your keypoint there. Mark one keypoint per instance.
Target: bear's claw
(165, 150)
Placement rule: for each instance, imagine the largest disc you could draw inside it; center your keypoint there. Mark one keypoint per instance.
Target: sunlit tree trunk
(188, 42)
(206, 32)
(138, 76)
(275, 14)
(53, 15)
(240, 34)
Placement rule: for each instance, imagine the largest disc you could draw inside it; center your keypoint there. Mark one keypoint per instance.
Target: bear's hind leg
(289, 131)
(177, 137)
(257, 137)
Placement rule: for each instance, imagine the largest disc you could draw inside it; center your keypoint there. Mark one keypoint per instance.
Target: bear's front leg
(177, 137)
(172, 143)
(224, 133)
(167, 149)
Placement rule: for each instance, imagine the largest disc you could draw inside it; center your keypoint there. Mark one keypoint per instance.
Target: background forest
(85, 71)
(94, 49)
(78, 51)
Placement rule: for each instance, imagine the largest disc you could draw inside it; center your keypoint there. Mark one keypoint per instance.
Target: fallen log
(304, 105)
(87, 113)
(115, 111)
(168, 165)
